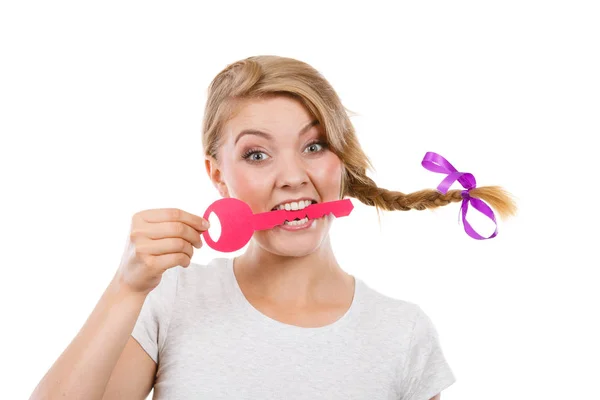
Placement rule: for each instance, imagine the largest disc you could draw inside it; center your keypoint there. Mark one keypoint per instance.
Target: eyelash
(247, 154)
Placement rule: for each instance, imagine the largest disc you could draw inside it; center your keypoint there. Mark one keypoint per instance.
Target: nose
(292, 173)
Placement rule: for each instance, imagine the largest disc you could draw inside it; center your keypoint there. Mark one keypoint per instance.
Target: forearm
(84, 368)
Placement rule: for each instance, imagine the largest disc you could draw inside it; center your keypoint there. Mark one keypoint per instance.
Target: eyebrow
(268, 136)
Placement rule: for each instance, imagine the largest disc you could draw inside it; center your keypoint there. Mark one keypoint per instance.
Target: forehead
(276, 115)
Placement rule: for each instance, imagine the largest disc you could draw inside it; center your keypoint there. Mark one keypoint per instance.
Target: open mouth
(299, 220)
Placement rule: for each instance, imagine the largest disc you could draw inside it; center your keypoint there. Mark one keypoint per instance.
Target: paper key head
(235, 217)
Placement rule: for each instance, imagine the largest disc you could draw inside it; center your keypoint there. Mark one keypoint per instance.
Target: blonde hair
(260, 77)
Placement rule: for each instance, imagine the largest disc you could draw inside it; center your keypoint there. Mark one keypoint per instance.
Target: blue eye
(250, 154)
(316, 144)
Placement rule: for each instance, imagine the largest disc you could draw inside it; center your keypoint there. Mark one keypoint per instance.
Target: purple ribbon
(436, 163)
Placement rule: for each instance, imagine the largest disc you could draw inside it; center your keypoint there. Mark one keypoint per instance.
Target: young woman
(283, 320)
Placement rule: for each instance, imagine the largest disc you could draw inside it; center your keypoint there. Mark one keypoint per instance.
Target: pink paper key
(238, 223)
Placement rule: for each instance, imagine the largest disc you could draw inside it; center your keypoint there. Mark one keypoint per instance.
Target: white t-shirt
(210, 343)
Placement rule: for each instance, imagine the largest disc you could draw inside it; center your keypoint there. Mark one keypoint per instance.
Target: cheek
(328, 174)
(245, 182)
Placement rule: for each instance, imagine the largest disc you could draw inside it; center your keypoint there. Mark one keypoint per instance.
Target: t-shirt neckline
(257, 315)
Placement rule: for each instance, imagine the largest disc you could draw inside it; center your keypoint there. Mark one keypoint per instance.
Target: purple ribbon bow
(436, 163)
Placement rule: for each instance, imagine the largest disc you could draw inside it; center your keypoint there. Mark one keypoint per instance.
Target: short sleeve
(426, 371)
(151, 327)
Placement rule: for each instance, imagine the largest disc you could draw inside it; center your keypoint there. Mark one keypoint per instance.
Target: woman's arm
(83, 370)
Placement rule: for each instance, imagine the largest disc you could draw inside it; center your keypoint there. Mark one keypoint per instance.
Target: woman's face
(274, 153)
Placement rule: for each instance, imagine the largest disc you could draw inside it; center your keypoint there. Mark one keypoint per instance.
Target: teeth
(294, 223)
(294, 205)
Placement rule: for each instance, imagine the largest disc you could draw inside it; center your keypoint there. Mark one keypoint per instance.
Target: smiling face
(274, 152)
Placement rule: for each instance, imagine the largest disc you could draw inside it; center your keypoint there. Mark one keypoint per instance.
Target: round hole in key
(215, 226)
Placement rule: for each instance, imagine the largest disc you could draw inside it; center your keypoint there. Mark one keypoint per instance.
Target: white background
(100, 114)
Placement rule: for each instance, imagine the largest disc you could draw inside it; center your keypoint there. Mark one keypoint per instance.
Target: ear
(214, 173)
(343, 182)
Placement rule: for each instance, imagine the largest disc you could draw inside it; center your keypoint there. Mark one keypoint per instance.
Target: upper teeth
(294, 205)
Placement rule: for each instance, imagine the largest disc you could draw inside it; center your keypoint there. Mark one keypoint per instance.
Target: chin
(291, 252)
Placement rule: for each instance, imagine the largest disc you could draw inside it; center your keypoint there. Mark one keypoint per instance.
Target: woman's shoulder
(209, 265)
(204, 274)
(385, 305)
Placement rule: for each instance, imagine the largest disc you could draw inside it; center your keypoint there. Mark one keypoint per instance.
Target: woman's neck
(292, 281)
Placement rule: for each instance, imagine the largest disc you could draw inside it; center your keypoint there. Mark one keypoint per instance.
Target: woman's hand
(159, 239)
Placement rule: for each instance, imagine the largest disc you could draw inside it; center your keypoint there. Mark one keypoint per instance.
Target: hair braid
(366, 190)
